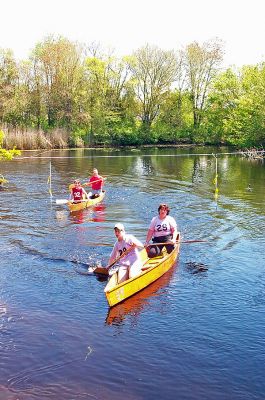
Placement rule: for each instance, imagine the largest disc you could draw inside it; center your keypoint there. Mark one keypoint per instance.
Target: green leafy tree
(153, 72)
(108, 96)
(236, 107)
(8, 80)
(221, 107)
(58, 79)
(175, 118)
(201, 63)
(252, 104)
(18, 107)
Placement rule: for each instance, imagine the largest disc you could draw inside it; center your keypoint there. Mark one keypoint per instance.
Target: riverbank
(61, 139)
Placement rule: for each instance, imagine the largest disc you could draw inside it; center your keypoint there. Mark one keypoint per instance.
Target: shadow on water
(195, 268)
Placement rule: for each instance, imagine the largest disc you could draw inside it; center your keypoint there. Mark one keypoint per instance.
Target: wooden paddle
(72, 185)
(105, 270)
(178, 241)
(61, 201)
(64, 201)
(93, 244)
(98, 180)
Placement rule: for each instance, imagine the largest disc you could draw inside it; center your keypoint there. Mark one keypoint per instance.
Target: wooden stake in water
(215, 181)
(49, 181)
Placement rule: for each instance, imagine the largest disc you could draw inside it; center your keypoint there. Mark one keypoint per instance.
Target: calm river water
(197, 333)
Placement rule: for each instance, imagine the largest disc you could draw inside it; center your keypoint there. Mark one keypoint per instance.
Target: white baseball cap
(119, 226)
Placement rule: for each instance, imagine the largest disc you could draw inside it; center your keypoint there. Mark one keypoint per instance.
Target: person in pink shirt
(96, 182)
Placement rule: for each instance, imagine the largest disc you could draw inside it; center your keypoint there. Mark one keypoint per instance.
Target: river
(197, 333)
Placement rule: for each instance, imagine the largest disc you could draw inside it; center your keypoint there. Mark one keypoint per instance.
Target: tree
(106, 94)
(221, 106)
(236, 107)
(175, 118)
(153, 72)
(201, 64)
(58, 74)
(18, 106)
(8, 80)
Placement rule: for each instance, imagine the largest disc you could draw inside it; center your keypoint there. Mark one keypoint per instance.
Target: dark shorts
(154, 251)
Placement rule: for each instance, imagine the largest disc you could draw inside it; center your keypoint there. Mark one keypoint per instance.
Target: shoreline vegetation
(32, 141)
(68, 95)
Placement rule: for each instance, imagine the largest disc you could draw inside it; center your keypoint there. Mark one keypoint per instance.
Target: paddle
(91, 183)
(178, 241)
(71, 186)
(105, 270)
(102, 244)
(64, 201)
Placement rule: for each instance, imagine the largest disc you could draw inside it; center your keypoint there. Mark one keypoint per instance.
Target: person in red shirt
(96, 182)
(78, 193)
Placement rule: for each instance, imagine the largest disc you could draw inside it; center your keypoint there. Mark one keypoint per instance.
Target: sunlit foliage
(68, 94)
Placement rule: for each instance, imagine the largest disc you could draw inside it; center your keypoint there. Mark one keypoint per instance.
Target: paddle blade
(62, 201)
(101, 270)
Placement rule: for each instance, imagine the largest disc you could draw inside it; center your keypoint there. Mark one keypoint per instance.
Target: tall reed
(31, 139)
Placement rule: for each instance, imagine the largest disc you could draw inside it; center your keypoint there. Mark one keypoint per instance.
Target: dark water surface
(197, 333)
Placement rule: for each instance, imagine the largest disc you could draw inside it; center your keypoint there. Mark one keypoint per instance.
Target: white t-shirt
(163, 227)
(122, 246)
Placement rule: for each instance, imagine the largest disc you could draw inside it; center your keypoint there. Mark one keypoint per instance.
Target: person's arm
(149, 236)
(113, 255)
(135, 242)
(89, 183)
(174, 230)
(85, 193)
(174, 235)
(111, 260)
(150, 232)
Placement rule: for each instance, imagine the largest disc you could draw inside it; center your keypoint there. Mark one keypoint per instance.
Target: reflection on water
(92, 214)
(198, 329)
(99, 213)
(134, 305)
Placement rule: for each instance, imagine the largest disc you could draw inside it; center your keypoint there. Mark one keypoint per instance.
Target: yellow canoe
(153, 269)
(85, 203)
(138, 302)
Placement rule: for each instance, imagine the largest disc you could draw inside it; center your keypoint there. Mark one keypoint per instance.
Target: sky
(125, 25)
